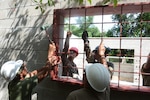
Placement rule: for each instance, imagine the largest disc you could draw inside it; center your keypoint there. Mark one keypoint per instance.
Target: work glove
(86, 41)
(85, 36)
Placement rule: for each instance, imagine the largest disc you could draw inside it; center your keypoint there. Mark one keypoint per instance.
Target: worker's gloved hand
(86, 41)
(107, 50)
(85, 36)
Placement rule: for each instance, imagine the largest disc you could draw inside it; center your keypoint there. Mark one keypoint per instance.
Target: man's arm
(41, 73)
(66, 45)
(101, 52)
(52, 61)
(65, 50)
(51, 51)
(52, 57)
(87, 48)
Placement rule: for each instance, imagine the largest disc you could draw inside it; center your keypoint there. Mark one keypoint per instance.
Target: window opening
(126, 33)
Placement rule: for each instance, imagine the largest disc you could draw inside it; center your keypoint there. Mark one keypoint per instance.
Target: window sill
(113, 86)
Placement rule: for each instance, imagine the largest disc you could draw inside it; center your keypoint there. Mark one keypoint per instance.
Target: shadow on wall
(20, 40)
(3, 89)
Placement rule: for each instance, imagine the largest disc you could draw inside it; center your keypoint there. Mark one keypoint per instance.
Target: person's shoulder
(31, 79)
(142, 68)
(78, 91)
(143, 65)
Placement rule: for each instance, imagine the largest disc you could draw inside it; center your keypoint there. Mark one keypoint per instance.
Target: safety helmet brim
(97, 76)
(74, 49)
(10, 69)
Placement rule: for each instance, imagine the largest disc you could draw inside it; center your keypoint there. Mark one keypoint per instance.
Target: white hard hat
(10, 69)
(98, 76)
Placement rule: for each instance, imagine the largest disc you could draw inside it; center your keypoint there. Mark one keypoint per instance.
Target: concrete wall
(21, 38)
